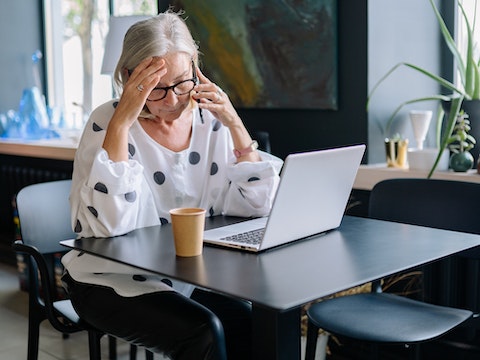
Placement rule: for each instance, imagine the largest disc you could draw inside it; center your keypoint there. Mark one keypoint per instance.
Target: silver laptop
(311, 198)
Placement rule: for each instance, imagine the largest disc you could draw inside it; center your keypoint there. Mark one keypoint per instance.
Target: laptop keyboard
(252, 237)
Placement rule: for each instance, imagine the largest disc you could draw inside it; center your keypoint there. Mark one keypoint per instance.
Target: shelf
(57, 149)
(369, 175)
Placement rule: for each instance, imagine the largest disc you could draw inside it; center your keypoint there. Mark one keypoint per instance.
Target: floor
(14, 329)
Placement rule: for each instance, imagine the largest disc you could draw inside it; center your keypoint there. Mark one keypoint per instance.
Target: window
(75, 31)
(473, 14)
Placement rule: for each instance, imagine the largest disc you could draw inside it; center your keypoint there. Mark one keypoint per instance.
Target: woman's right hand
(137, 88)
(148, 74)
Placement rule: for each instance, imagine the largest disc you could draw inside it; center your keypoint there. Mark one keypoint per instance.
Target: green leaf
(438, 79)
(471, 71)
(380, 81)
(450, 41)
(429, 98)
(439, 121)
(455, 107)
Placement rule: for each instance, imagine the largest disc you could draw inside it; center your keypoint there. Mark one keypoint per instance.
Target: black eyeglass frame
(172, 87)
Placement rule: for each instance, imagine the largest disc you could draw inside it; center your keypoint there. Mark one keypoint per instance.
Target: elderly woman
(173, 139)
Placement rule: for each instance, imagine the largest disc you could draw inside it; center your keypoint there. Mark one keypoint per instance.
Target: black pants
(206, 326)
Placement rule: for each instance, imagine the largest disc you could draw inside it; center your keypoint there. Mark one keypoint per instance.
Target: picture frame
(268, 54)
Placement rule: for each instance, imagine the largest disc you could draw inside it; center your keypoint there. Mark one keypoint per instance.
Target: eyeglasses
(181, 88)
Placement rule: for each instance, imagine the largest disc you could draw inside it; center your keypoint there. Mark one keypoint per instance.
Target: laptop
(311, 199)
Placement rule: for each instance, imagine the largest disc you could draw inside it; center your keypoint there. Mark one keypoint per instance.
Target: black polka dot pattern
(93, 210)
(131, 196)
(240, 190)
(101, 187)
(131, 149)
(213, 168)
(168, 282)
(78, 227)
(216, 125)
(159, 177)
(140, 278)
(194, 158)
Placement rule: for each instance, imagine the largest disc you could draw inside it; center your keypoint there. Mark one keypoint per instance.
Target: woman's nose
(171, 97)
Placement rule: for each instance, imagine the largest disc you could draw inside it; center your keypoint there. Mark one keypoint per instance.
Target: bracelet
(252, 147)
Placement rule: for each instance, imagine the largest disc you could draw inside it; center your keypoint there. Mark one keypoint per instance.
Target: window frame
(53, 42)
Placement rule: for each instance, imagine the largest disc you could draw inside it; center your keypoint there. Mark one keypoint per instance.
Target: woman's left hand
(211, 97)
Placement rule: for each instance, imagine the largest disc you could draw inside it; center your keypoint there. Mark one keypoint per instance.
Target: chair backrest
(443, 204)
(263, 139)
(44, 213)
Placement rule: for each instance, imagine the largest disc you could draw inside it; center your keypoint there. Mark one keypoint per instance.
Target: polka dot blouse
(112, 198)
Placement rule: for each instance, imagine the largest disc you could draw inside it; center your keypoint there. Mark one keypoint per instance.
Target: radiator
(17, 172)
(16, 177)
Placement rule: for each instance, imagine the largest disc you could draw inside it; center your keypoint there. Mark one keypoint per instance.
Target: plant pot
(423, 159)
(461, 162)
(396, 151)
(472, 108)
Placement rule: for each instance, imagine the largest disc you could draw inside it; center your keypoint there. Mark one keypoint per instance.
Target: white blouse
(112, 198)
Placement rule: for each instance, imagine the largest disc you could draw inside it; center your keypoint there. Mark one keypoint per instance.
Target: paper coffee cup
(188, 225)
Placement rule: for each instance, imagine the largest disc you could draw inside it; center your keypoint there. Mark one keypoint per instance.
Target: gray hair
(160, 35)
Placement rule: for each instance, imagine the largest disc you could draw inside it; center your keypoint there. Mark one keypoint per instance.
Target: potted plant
(460, 143)
(467, 67)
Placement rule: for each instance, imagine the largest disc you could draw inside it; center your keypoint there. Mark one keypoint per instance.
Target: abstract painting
(268, 53)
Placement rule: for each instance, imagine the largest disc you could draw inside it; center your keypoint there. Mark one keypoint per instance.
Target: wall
(20, 36)
(374, 35)
(395, 31)
(293, 130)
(400, 31)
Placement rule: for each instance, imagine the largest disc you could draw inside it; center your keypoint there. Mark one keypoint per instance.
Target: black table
(279, 281)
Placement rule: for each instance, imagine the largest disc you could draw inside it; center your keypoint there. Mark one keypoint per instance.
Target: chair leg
(415, 352)
(33, 337)
(374, 351)
(94, 345)
(133, 352)
(112, 347)
(311, 346)
(148, 355)
(472, 295)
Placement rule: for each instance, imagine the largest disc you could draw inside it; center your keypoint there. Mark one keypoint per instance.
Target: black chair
(449, 205)
(263, 139)
(44, 214)
(378, 317)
